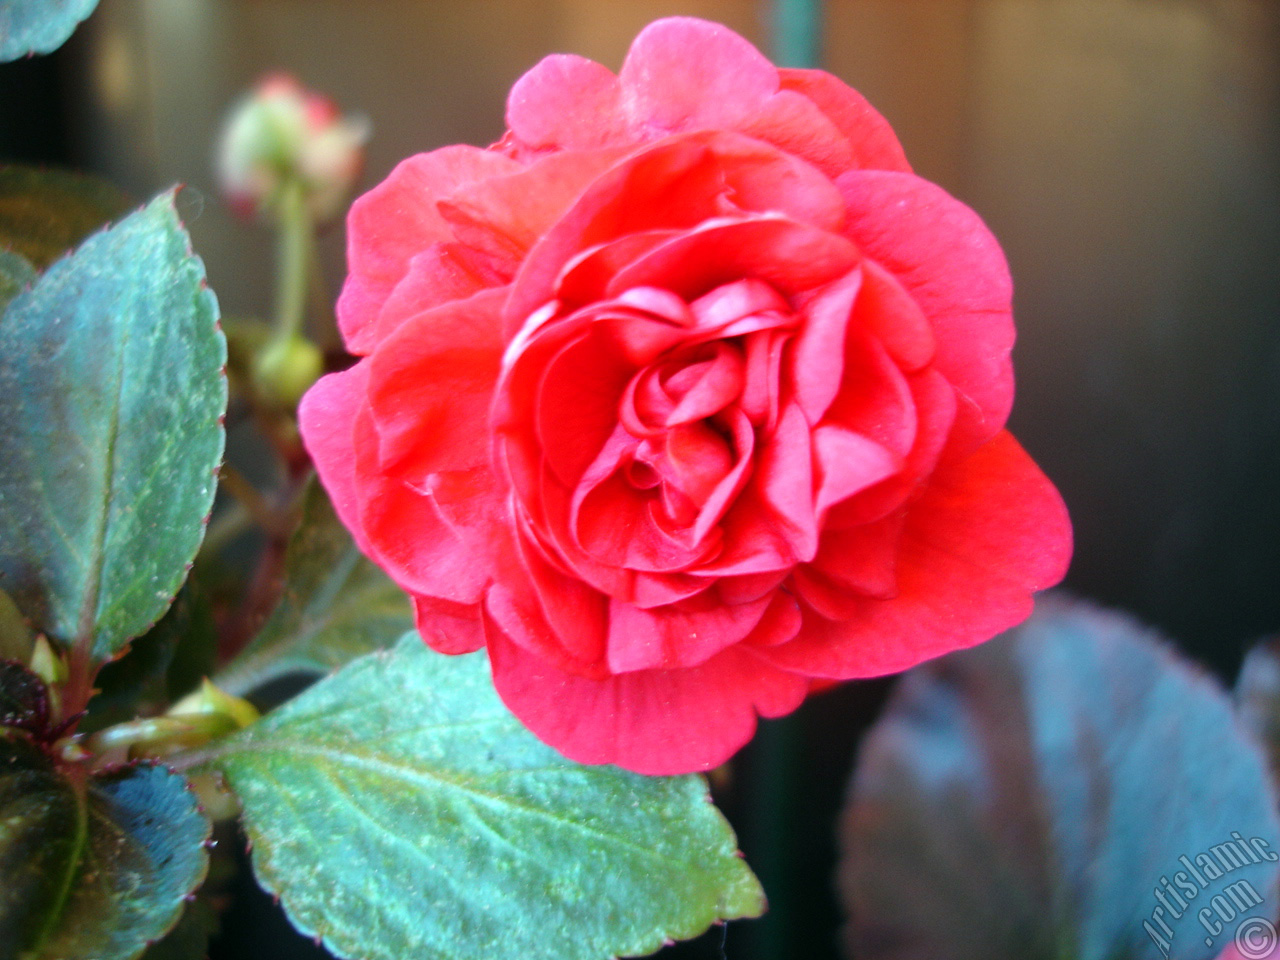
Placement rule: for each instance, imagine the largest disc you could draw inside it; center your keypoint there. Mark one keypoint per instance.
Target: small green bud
(285, 368)
(210, 700)
(47, 663)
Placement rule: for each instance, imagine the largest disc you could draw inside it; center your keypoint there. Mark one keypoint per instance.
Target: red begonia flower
(685, 398)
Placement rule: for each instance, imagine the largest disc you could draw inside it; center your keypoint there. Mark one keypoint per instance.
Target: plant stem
(295, 242)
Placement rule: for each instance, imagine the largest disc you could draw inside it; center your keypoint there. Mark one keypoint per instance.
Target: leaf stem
(186, 730)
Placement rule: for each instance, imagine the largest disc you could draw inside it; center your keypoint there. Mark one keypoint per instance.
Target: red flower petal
(869, 134)
(448, 627)
(989, 531)
(430, 386)
(947, 259)
(566, 102)
(682, 635)
(686, 74)
(439, 540)
(396, 220)
(442, 273)
(655, 722)
(326, 419)
(676, 184)
(816, 361)
(794, 258)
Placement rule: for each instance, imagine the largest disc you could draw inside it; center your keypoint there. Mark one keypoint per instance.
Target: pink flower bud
(282, 133)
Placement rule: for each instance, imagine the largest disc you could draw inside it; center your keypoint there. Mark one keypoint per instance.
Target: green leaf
(111, 393)
(1258, 697)
(38, 26)
(16, 274)
(399, 810)
(1025, 800)
(24, 698)
(95, 872)
(189, 940)
(40, 827)
(336, 606)
(16, 641)
(44, 213)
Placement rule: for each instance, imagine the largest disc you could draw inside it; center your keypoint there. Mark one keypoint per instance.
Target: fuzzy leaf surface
(111, 393)
(399, 810)
(92, 872)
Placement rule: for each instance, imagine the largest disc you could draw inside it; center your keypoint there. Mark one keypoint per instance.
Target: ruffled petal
(326, 418)
(448, 627)
(656, 722)
(504, 216)
(873, 141)
(395, 221)
(947, 259)
(676, 184)
(684, 634)
(792, 257)
(816, 361)
(989, 531)
(687, 74)
(439, 539)
(442, 273)
(566, 102)
(431, 384)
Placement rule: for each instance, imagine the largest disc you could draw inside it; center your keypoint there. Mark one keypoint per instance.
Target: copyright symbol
(1255, 938)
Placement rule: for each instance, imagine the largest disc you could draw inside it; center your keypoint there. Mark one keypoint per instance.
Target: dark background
(1126, 152)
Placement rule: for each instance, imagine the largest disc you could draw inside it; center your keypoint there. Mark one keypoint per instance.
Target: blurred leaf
(92, 872)
(189, 940)
(336, 605)
(162, 665)
(16, 640)
(16, 274)
(44, 213)
(111, 394)
(399, 810)
(195, 643)
(38, 26)
(24, 698)
(1258, 697)
(1025, 799)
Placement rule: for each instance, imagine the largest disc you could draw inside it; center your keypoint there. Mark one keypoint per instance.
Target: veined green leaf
(92, 872)
(111, 396)
(400, 811)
